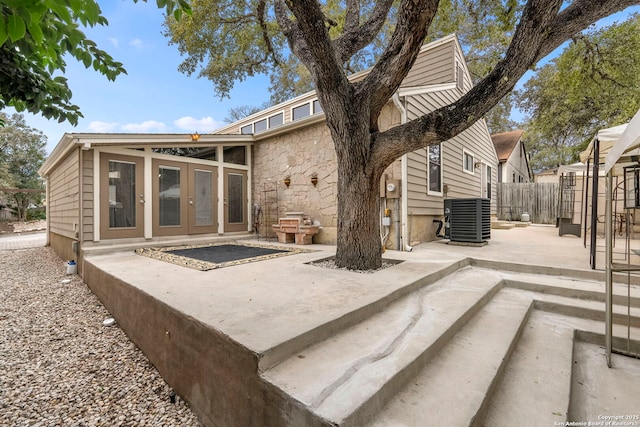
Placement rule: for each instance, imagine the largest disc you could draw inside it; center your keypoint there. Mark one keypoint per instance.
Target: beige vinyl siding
(87, 195)
(475, 140)
(63, 200)
(516, 163)
(434, 67)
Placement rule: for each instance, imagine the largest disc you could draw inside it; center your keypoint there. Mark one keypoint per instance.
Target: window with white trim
(317, 108)
(489, 177)
(263, 124)
(459, 76)
(467, 162)
(305, 110)
(260, 125)
(434, 153)
(276, 120)
(301, 111)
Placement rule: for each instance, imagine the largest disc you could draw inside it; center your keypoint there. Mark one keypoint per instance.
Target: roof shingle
(505, 142)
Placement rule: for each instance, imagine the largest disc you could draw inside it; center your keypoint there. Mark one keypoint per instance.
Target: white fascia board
(60, 151)
(439, 42)
(418, 90)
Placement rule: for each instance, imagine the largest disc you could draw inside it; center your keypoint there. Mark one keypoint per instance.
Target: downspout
(404, 176)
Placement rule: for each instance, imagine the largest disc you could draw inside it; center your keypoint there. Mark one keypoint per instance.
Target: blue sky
(154, 96)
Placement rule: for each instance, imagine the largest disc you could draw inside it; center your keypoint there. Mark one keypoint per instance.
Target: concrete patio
(508, 333)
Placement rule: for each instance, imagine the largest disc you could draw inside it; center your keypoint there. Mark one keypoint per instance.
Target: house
(547, 176)
(514, 163)
(243, 177)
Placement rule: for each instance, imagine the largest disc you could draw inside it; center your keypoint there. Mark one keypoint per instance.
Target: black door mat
(217, 255)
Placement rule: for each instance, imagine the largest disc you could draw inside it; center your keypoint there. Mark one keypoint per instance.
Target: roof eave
(69, 141)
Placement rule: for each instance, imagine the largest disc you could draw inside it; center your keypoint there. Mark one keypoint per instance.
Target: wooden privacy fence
(539, 200)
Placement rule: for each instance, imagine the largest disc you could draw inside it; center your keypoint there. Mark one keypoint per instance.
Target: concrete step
(548, 363)
(592, 290)
(521, 224)
(541, 365)
(348, 377)
(597, 389)
(502, 225)
(454, 389)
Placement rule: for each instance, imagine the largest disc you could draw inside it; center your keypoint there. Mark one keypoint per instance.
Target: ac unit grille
(469, 220)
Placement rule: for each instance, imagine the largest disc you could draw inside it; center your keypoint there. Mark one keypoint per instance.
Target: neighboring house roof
(505, 142)
(552, 171)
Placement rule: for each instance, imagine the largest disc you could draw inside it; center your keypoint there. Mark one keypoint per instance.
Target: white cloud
(147, 126)
(114, 41)
(136, 43)
(204, 125)
(102, 127)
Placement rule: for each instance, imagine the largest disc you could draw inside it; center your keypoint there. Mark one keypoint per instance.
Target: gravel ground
(9, 227)
(59, 366)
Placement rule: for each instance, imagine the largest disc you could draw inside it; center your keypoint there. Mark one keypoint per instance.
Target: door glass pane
(122, 194)
(235, 199)
(203, 197)
(169, 179)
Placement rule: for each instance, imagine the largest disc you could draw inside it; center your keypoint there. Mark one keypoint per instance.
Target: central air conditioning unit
(467, 220)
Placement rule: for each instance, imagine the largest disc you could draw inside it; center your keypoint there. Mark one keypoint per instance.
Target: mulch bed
(217, 255)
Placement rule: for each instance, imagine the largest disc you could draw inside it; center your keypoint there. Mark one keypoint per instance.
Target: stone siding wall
(299, 155)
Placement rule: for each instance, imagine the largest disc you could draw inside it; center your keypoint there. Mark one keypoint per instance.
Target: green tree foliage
(593, 84)
(22, 152)
(36, 39)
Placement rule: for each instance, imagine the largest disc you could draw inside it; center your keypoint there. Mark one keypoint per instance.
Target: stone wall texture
(300, 155)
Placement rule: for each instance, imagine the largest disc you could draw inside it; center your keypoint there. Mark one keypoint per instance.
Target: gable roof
(505, 142)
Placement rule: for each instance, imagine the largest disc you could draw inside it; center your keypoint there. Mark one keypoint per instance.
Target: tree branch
(260, 12)
(542, 29)
(356, 37)
(394, 64)
(292, 32)
(321, 60)
(352, 16)
(577, 17)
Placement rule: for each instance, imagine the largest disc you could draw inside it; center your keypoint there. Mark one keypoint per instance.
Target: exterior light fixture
(195, 137)
(314, 179)
(287, 181)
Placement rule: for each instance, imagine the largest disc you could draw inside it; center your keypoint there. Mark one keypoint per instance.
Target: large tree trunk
(358, 245)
